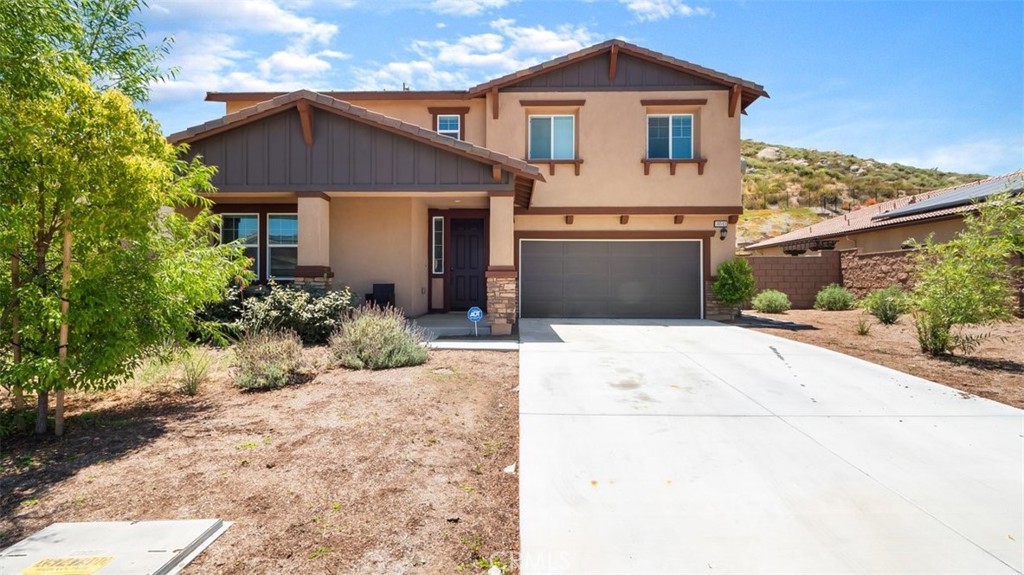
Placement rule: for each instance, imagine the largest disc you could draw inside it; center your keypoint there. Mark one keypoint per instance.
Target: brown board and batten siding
(270, 154)
(631, 74)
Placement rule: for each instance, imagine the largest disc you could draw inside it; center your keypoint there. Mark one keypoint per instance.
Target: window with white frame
(670, 137)
(449, 125)
(437, 245)
(552, 137)
(282, 245)
(244, 229)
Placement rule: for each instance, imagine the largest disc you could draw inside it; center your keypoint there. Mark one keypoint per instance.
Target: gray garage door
(625, 279)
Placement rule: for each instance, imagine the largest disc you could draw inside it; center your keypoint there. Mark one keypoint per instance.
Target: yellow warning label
(67, 566)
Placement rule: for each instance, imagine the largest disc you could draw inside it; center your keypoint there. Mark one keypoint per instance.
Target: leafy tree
(969, 280)
(83, 170)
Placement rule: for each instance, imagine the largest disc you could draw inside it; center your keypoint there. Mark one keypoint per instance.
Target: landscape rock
(510, 468)
(770, 153)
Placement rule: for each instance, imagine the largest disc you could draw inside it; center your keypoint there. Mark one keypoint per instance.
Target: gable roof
(750, 90)
(937, 204)
(324, 102)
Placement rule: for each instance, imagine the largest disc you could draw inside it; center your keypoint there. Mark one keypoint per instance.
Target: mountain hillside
(785, 188)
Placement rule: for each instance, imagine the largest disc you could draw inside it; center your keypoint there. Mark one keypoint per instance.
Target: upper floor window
(282, 245)
(449, 125)
(552, 137)
(670, 137)
(244, 229)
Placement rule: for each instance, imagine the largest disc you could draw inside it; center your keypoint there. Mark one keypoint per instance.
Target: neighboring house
(604, 183)
(867, 249)
(889, 226)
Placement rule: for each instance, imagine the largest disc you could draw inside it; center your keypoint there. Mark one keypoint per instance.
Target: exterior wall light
(723, 228)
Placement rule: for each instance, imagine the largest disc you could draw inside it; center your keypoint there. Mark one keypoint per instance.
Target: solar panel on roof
(965, 195)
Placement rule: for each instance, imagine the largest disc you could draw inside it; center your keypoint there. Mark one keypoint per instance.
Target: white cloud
(457, 64)
(465, 7)
(254, 15)
(651, 10)
(976, 157)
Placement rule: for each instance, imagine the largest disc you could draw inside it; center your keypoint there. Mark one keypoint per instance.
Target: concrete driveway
(694, 447)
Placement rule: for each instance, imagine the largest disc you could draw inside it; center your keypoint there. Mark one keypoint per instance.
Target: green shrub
(15, 422)
(268, 360)
(195, 364)
(834, 297)
(312, 314)
(887, 304)
(863, 327)
(734, 282)
(376, 338)
(771, 301)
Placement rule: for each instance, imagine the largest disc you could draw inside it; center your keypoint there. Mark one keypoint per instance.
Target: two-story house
(604, 183)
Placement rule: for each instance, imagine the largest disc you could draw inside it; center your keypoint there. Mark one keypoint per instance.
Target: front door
(466, 287)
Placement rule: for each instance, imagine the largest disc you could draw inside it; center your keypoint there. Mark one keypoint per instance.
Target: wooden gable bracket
(494, 103)
(678, 219)
(496, 173)
(306, 118)
(734, 100)
(623, 220)
(733, 218)
(613, 64)
(569, 219)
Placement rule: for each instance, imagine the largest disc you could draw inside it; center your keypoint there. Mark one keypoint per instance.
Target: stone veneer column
(502, 297)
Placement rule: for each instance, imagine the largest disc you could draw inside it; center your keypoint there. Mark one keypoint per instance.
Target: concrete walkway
(694, 447)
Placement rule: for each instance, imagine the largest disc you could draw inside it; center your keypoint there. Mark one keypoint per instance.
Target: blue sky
(929, 84)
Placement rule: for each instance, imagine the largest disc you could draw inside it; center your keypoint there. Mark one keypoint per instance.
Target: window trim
(259, 226)
(457, 134)
(529, 137)
(434, 245)
(461, 112)
(270, 246)
(693, 137)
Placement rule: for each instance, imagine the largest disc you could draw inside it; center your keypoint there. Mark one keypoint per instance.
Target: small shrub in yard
(268, 360)
(886, 304)
(195, 364)
(771, 301)
(15, 422)
(312, 314)
(834, 297)
(863, 327)
(734, 282)
(376, 338)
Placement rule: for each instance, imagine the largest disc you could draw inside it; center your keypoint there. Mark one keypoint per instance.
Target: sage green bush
(312, 314)
(268, 360)
(771, 301)
(834, 297)
(886, 304)
(378, 338)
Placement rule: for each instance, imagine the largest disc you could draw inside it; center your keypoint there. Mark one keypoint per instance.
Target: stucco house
(889, 226)
(603, 183)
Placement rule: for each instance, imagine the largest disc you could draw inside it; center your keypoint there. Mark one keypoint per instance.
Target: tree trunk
(62, 348)
(42, 409)
(19, 395)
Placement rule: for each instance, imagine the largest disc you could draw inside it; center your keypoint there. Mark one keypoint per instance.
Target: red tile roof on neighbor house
(867, 218)
(387, 123)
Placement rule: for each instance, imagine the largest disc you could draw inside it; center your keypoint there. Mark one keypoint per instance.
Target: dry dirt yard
(396, 471)
(995, 370)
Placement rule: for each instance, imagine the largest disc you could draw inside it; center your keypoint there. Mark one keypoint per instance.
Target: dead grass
(394, 471)
(995, 370)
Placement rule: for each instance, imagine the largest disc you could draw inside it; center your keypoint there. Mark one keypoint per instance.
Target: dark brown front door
(467, 264)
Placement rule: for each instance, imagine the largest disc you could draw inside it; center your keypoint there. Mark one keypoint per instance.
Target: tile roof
(874, 217)
(751, 91)
(342, 108)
